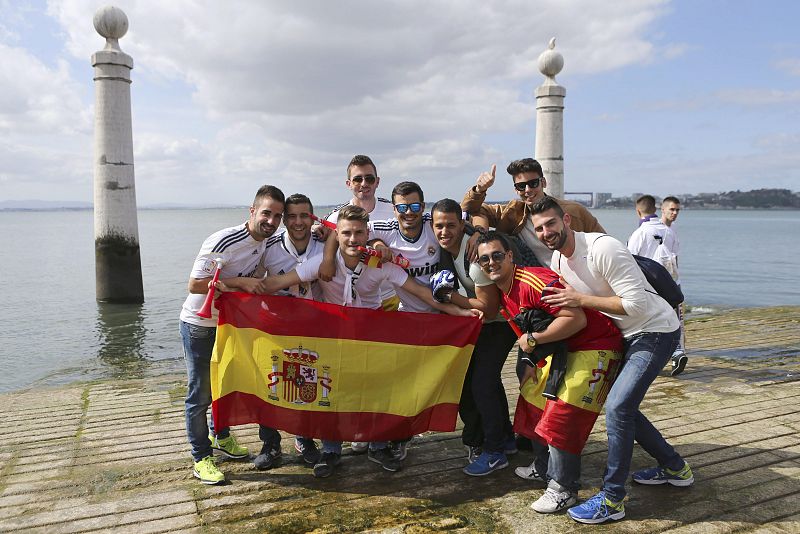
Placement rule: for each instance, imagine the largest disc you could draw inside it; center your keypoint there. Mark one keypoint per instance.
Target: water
(55, 332)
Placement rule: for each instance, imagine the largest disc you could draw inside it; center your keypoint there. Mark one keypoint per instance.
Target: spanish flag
(326, 371)
(567, 421)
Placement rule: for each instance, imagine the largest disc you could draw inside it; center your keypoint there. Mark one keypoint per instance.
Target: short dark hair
(359, 160)
(547, 203)
(353, 213)
(448, 205)
(493, 235)
(524, 165)
(269, 191)
(299, 198)
(406, 188)
(674, 200)
(646, 204)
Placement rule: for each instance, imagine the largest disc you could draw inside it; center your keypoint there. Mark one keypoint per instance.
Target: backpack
(659, 277)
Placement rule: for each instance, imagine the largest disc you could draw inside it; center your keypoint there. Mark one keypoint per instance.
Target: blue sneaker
(597, 509)
(486, 463)
(661, 475)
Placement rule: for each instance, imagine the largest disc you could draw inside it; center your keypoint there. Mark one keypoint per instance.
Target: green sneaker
(208, 473)
(229, 447)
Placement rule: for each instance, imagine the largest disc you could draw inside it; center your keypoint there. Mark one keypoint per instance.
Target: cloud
(288, 91)
(790, 66)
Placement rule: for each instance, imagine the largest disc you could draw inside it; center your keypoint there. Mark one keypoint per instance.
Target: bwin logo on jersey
(422, 271)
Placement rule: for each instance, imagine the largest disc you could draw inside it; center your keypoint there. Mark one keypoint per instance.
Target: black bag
(658, 276)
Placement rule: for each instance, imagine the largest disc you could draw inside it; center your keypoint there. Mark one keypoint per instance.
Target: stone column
(118, 266)
(550, 121)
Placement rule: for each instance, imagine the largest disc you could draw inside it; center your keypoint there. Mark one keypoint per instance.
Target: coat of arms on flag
(300, 377)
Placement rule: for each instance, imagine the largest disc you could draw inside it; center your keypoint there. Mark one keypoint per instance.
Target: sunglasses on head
(369, 178)
(533, 184)
(415, 207)
(497, 256)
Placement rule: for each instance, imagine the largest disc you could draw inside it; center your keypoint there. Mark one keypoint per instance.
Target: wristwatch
(531, 341)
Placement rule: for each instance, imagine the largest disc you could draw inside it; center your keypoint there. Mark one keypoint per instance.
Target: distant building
(600, 199)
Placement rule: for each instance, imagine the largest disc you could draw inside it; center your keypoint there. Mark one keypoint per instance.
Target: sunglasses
(415, 207)
(369, 178)
(497, 256)
(533, 184)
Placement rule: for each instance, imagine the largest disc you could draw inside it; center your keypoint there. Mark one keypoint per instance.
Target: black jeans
(484, 407)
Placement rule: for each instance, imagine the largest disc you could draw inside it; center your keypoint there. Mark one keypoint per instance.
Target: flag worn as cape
(326, 371)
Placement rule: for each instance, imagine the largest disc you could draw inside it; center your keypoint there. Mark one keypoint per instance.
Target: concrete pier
(112, 457)
(118, 266)
(550, 121)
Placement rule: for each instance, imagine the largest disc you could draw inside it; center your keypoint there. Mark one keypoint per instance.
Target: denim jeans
(645, 356)
(198, 343)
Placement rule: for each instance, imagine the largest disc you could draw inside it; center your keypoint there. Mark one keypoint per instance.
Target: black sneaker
(400, 449)
(326, 464)
(387, 460)
(679, 362)
(268, 457)
(307, 448)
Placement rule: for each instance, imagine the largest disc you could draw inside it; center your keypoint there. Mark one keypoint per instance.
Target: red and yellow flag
(326, 371)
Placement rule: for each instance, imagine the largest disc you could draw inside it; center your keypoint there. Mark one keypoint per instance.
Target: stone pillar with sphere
(550, 121)
(118, 266)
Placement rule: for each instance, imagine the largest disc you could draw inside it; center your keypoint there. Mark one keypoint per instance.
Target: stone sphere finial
(551, 62)
(112, 23)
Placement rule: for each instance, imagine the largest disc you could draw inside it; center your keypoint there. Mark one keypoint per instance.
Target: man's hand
(523, 344)
(248, 285)
(567, 297)
(386, 252)
(221, 286)
(326, 271)
(485, 180)
(530, 372)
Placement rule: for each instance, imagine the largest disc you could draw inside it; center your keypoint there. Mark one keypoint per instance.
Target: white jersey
(655, 240)
(240, 254)
(422, 252)
(358, 288)
(281, 256)
(383, 210)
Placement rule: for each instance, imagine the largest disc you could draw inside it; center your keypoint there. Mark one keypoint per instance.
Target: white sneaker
(554, 501)
(530, 473)
(359, 447)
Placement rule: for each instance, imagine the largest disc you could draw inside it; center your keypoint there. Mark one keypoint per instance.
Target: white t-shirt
(383, 211)
(359, 287)
(423, 253)
(241, 255)
(655, 240)
(602, 266)
(281, 256)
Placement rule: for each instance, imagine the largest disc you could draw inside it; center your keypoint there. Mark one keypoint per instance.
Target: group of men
(593, 329)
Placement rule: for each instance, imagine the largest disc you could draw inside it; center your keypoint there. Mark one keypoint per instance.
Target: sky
(663, 97)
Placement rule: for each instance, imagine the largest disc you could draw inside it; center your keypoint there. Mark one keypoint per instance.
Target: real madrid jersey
(281, 256)
(240, 254)
(422, 253)
(359, 287)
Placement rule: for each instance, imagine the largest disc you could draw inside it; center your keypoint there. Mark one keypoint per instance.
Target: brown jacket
(510, 218)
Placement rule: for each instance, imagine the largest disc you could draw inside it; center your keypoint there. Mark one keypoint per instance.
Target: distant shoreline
(153, 208)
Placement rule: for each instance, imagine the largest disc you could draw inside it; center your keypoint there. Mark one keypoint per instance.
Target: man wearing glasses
(593, 350)
(362, 180)
(514, 217)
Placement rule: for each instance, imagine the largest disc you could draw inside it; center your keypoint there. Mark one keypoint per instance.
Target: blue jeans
(198, 343)
(645, 356)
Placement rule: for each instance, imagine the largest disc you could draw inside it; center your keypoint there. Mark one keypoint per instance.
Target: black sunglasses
(415, 207)
(369, 178)
(533, 184)
(497, 256)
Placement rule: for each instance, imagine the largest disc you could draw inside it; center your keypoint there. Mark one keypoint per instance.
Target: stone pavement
(112, 457)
